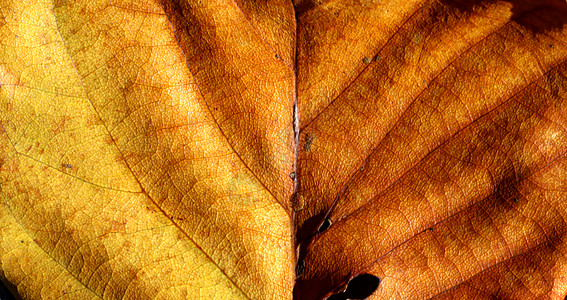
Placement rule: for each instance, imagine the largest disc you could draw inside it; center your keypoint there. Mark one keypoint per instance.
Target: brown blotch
(118, 226)
(309, 138)
(93, 120)
(61, 125)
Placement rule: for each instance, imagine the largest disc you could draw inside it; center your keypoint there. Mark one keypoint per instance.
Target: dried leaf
(283, 149)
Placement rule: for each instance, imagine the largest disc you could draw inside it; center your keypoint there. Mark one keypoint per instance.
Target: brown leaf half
(439, 165)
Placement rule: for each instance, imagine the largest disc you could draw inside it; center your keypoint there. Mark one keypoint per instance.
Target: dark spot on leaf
(308, 141)
(22, 241)
(325, 225)
(506, 188)
(300, 268)
(360, 287)
(432, 228)
(367, 60)
(550, 46)
(278, 56)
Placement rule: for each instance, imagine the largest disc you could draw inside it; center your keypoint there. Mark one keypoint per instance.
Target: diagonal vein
(309, 122)
(215, 120)
(450, 139)
(462, 211)
(377, 147)
(525, 253)
(47, 253)
(136, 178)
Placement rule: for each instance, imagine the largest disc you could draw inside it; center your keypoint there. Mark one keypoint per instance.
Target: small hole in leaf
(308, 141)
(362, 286)
(516, 199)
(325, 225)
(367, 60)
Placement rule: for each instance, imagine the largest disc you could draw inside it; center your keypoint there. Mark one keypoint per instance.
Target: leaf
(277, 150)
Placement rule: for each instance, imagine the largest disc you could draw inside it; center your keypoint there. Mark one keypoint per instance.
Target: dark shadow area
(537, 16)
(309, 228)
(304, 6)
(359, 287)
(312, 289)
(8, 291)
(506, 190)
(550, 15)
